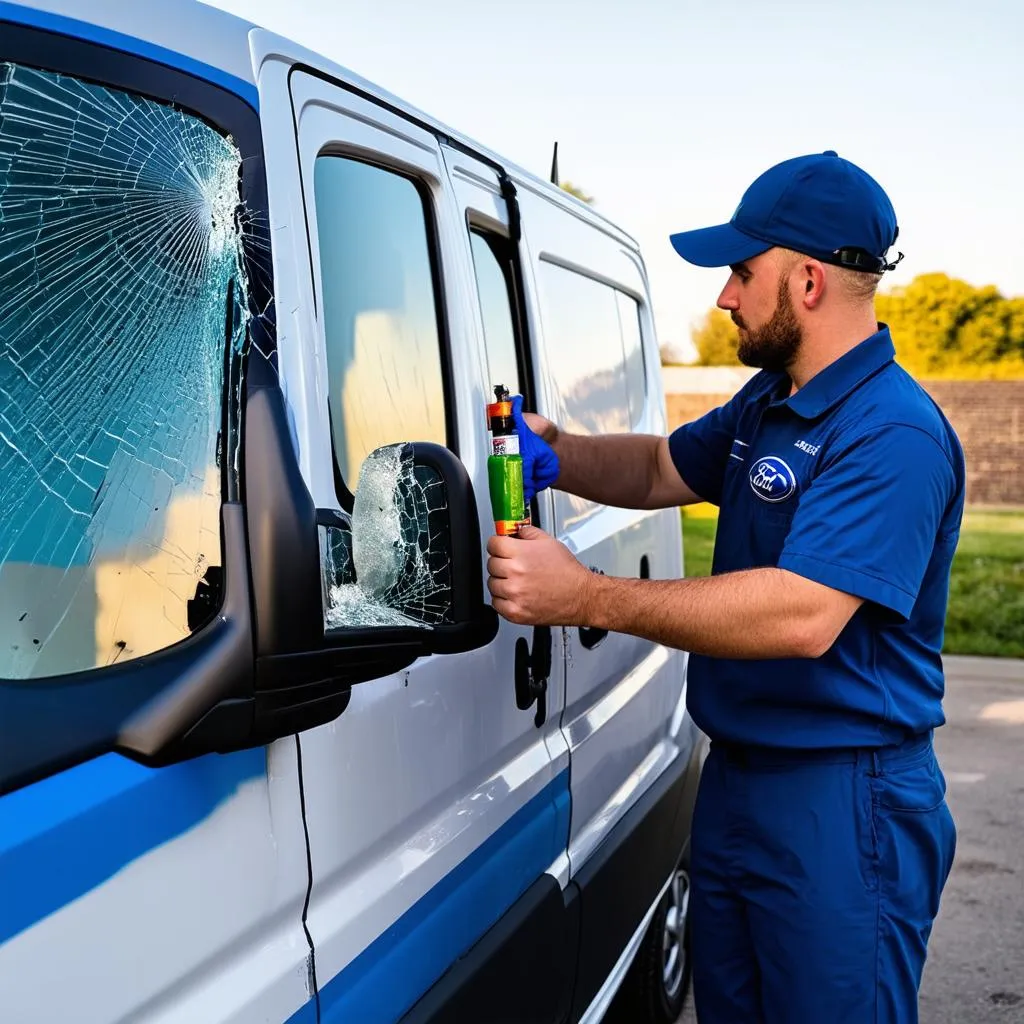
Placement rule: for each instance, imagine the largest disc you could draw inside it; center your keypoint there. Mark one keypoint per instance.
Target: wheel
(655, 988)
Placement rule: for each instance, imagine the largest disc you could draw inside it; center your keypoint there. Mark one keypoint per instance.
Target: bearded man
(821, 837)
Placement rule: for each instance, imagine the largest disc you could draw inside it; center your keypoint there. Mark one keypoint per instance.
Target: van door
(489, 211)
(434, 803)
(624, 717)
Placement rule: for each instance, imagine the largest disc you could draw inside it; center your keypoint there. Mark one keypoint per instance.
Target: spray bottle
(505, 467)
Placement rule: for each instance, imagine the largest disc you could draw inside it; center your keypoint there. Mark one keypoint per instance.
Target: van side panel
(173, 894)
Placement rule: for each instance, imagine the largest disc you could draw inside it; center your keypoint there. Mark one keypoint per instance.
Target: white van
(266, 752)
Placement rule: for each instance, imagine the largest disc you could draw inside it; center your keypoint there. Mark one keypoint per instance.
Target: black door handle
(532, 669)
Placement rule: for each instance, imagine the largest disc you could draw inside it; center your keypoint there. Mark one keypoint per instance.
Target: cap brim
(717, 246)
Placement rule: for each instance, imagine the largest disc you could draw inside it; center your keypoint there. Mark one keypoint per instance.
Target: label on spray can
(505, 444)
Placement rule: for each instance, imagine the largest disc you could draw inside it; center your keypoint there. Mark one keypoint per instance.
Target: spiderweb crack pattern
(120, 232)
(390, 567)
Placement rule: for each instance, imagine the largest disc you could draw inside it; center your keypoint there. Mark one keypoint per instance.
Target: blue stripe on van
(394, 971)
(65, 835)
(129, 44)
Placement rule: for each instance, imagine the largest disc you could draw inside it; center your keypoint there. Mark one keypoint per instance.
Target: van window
(379, 311)
(493, 289)
(633, 356)
(585, 350)
(120, 284)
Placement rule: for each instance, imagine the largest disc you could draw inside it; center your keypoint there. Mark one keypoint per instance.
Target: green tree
(715, 339)
(574, 190)
(945, 327)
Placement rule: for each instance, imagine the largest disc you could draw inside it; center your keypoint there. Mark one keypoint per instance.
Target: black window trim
(502, 249)
(643, 349)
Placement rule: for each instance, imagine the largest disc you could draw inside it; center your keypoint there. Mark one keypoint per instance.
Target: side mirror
(344, 598)
(408, 556)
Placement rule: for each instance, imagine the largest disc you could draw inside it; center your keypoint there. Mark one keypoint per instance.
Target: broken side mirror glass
(408, 555)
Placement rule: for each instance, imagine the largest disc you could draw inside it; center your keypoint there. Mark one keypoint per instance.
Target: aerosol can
(505, 467)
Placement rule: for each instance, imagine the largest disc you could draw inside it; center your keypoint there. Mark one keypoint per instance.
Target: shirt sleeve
(700, 449)
(868, 523)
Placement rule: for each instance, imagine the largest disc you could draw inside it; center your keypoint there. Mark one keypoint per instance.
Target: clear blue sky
(665, 110)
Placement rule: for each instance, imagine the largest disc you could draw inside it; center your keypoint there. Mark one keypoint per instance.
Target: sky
(666, 110)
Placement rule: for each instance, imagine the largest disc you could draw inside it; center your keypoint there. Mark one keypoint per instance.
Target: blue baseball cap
(820, 205)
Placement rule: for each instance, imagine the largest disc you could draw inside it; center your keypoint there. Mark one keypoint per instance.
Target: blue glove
(540, 463)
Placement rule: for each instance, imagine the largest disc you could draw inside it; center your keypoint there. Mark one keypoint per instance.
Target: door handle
(532, 669)
(590, 638)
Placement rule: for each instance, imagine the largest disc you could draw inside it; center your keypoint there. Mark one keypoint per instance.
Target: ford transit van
(266, 752)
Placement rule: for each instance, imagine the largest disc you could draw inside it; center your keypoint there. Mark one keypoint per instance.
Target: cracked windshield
(119, 260)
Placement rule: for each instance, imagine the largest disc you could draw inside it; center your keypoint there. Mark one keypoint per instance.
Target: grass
(986, 592)
(699, 524)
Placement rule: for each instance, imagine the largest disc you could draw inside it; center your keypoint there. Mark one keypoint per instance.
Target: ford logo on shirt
(771, 479)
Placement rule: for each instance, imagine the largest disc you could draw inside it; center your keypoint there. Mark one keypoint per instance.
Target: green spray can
(505, 467)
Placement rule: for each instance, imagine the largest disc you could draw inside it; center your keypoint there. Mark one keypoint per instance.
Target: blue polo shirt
(855, 481)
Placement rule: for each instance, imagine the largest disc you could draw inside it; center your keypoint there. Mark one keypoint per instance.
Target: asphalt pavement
(975, 968)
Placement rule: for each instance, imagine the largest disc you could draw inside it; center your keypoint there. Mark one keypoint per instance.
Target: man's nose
(729, 299)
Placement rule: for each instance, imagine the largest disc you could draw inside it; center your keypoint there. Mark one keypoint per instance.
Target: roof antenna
(554, 166)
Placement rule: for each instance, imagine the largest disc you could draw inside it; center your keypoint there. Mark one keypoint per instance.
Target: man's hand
(535, 580)
(536, 435)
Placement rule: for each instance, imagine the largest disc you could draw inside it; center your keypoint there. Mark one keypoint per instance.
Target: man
(821, 837)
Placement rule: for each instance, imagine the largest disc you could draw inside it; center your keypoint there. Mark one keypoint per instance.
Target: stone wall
(988, 416)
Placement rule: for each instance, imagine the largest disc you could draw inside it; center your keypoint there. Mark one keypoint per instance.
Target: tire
(655, 988)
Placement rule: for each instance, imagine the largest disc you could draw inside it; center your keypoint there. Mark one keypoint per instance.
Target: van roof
(222, 40)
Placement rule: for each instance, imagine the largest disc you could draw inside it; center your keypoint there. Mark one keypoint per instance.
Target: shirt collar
(830, 386)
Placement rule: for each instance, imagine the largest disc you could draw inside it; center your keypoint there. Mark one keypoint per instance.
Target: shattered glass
(121, 294)
(388, 565)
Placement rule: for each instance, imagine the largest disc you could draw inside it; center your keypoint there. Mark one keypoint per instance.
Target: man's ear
(812, 283)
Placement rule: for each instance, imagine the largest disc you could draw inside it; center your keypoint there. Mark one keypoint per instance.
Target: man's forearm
(615, 469)
(758, 613)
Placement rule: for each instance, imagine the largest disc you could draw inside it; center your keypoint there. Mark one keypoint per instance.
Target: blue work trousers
(816, 879)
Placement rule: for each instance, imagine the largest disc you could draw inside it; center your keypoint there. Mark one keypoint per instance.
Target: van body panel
(191, 36)
(170, 894)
